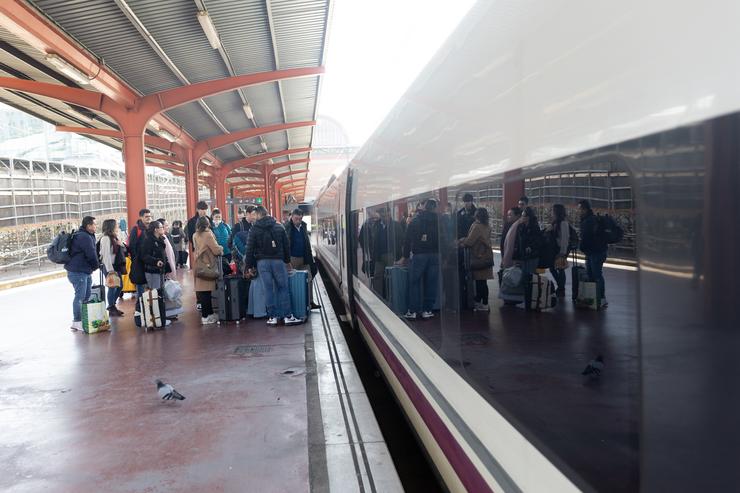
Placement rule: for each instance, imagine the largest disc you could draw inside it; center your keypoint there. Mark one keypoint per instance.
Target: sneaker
(315, 306)
(272, 321)
(210, 319)
(291, 320)
(76, 325)
(113, 312)
(480, 307)
(197, 306)
(167, 322)
(604, 304)
(213, 318)
(410, 315)
(426, 315)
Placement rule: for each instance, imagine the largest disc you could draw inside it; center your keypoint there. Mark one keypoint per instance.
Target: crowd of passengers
(257, 246)
(416, 240)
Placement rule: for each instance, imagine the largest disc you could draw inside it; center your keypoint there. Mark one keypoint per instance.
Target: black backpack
(269, 246)
(176, 236)
(58, 251)
(609, 230)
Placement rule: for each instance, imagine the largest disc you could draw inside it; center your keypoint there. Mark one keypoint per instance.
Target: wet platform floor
(80, 412)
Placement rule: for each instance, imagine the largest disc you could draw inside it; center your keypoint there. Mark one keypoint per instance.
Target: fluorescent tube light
(248, 111)
(67, 69)
(264, 146)
(206, 23)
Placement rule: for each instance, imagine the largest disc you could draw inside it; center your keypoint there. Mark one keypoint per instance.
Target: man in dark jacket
(465, 216)
(299, 246)
(594, 245)
(201, 209)
(239, 236)
(267, 249)
(82, 263)
(423, 241)
(135, 240)
(381, 241)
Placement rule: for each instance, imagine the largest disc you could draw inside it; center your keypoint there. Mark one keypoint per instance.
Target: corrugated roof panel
(195, 120)
(299, 31)
(265, 102)
(101, 27)
(175, 27)
(300, 98)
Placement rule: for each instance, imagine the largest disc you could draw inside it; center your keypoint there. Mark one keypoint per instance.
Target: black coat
(529, 241)
(262, 233)
(242, 225)
(465, 219)
(422, 235)
(190, 226)
(135, 237)
(152, 250)
(307, 253)
(592, 242)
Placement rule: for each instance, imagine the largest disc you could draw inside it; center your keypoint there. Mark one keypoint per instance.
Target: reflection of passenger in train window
(523, 242)
(381, 243)
(422, 246)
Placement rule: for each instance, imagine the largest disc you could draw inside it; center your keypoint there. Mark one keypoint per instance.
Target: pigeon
(167, 392)
(594, 367)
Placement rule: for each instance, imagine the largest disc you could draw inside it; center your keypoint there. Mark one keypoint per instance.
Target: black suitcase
(577, 274)
(183, 257)
(230, 297)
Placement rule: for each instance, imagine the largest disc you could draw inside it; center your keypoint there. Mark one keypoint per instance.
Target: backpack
(58, 251)
(176, 236)
(609, 230)
(269, 246)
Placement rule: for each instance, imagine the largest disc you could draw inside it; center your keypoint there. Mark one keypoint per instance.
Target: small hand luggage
(127, 285)
(256, 303)
(230, 297)
(577, 276)
(540, 293)
(98, 290)
(298, 289)
(397, 288)
(151, 310)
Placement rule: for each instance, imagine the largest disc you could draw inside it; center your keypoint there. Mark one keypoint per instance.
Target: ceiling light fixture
(206, 23)
(154, 125)
(166, 135)
(264, 146)
(67, 69)
(207, 162)
(248, 111)
(78, 115)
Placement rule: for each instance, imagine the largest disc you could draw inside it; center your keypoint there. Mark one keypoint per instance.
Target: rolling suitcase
(151, 311)
(98, 291)
(397, 288)
(229, 297)
(577, 276)
(256, 303)
(540, 293)
(298, 289)
(126, 285)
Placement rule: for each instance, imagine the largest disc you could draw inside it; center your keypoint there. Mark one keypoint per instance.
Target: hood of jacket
(267, 222)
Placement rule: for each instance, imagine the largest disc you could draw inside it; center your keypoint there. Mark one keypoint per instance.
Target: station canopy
(148, 46)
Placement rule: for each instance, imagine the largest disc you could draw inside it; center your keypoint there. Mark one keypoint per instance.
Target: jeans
(424, 269)
(82, 283)
(140, 288)
(153, 281)
(595, 272)
(113, 293)
(559, 276)
(274, 274)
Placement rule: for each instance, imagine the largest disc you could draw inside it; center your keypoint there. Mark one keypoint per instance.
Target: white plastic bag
(172, 290)
(512, 279)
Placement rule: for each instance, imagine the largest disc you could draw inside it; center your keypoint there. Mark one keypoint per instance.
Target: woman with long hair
(113, 259)
(560, 231)
(478, 240)
(153, 254)
(206, 251)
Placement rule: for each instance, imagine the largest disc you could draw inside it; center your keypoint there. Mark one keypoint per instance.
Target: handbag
(480, 264)
(561, 263)
(113, 280)
(208, 273)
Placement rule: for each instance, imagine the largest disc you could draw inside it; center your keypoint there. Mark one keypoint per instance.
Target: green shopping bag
(95, 316)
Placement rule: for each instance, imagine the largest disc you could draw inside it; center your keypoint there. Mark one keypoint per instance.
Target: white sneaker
(208, 320)
(480, 307)
(272, 321)
(410, 315)
(76, 325)
(167, 322)
(427, 314)
(604, 303)
(213, 318)
(291, 320)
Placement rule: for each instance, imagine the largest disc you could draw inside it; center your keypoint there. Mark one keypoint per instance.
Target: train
(634, 106)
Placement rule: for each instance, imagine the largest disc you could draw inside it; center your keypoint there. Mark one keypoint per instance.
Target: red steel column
(191, 183)
(266, 196)
(133, 158)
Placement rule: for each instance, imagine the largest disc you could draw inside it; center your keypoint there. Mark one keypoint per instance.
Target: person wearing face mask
(222, 231)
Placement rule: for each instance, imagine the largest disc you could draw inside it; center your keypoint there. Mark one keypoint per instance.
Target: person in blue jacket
(222, 231)
(82, 263)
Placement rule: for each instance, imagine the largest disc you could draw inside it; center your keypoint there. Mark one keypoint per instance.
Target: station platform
(268, 409)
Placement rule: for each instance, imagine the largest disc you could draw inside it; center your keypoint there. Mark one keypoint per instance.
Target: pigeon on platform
(167, 392)
(594, 367)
